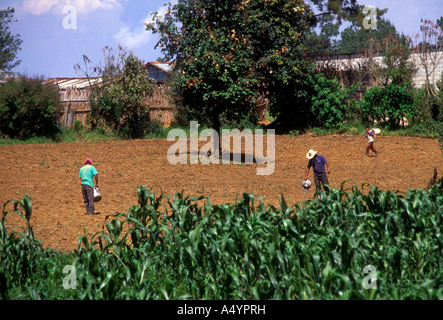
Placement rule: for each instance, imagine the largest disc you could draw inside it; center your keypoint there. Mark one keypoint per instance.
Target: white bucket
(377, 131)
(306, 184)
(97, 195)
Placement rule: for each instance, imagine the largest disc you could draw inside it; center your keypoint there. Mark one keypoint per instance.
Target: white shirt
(370, 138)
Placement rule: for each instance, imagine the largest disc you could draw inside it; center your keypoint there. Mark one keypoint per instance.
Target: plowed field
(49, 174)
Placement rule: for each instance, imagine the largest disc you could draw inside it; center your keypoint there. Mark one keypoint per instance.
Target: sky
(57, 33)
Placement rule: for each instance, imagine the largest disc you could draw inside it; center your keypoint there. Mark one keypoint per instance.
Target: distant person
(370, 134)
(319, 163)
(87, 175)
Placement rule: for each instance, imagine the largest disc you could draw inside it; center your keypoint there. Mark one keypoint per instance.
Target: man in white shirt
(370, 136)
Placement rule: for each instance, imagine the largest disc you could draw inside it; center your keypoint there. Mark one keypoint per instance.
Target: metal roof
(6, 75)
(78, 83)
(165, 66)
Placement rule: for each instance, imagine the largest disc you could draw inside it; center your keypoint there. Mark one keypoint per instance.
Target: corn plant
(185, 247)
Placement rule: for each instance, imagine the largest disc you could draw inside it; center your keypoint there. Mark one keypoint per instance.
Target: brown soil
(49, 174)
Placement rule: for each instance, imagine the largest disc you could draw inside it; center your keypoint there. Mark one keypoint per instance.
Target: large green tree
(227, 53)
(9, 43)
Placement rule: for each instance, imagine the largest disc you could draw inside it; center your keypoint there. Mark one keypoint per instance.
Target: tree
(397, 66)
(429, 52)
(128, 95)
(325, 24)
(228, 53)
(118, 100)
(354, 38)
(9, 44)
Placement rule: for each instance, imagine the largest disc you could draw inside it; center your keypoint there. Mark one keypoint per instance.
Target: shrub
(29, 108)
(390, 104)
(328, 101)
(127, 94)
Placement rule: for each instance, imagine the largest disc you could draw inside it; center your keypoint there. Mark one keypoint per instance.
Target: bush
(390, 104)
(118, 103)
(28, 108)
(328, 101)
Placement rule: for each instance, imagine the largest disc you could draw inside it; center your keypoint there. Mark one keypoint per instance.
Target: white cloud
(39, 7)
(133, 39)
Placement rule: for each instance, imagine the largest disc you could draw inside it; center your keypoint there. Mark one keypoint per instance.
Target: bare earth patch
(49, 174)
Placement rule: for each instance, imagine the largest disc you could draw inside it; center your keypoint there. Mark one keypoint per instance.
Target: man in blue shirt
(318, 162)
(87, 174)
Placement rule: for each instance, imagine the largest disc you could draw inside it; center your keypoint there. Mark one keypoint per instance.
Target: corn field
(185, 247)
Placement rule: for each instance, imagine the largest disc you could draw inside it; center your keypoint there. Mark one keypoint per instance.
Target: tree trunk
(216, 125)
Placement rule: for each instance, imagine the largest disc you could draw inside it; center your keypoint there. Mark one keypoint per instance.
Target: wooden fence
(77, 106)
(161, 106)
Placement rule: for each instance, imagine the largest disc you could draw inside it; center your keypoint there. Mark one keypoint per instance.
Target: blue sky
(51, 50)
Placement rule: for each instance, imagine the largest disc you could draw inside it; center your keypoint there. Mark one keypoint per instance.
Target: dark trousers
(88, 197)
(321, 179)
(370, 146)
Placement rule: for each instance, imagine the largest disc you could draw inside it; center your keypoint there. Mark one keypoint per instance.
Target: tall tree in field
(229, 52)
(9, 44)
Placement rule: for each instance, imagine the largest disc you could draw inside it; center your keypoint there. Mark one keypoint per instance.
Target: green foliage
(28, 108)
(355, 38)
(437, 109)
(120, 103)
(9, 44)
(27, 270)
(328, 102)
(183, 247)
(389, 104)
(227, 52)
(397, 66)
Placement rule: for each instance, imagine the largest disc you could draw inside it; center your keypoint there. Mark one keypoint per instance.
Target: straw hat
(311, 153)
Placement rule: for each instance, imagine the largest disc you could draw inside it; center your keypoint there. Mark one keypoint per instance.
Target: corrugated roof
(78, 83)
(165, 66)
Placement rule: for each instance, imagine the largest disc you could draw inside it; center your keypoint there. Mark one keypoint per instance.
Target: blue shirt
(86, 174)
(318, 163)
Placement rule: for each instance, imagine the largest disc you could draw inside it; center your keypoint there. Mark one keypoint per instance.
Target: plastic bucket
(97, 195)
(377, 131)
(306, 184)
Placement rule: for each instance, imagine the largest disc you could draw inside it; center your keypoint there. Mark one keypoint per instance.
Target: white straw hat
(311, 153)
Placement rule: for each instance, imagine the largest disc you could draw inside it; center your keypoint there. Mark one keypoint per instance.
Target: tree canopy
(227, 53)
(9, 43)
